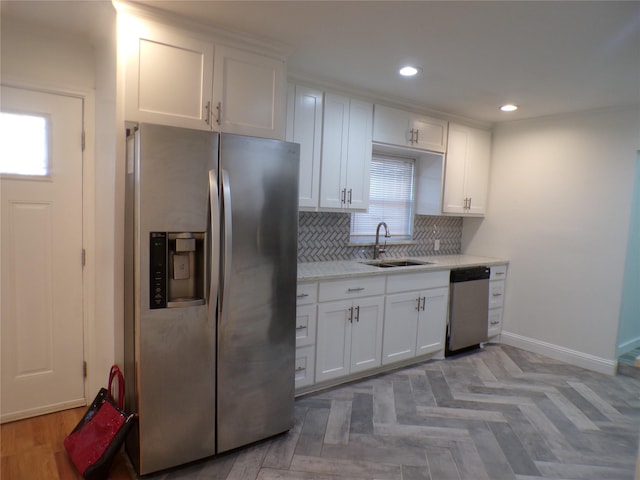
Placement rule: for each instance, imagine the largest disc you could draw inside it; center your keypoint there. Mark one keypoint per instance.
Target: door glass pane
(24, 144)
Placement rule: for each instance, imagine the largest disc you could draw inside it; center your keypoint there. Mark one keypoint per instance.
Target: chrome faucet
(377, 249)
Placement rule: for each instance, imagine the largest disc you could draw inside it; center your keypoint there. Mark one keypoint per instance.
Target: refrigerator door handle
(214, 263)
(228, 235)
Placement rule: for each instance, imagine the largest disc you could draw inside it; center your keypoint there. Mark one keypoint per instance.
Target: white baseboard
(572, 357)
(628, 346)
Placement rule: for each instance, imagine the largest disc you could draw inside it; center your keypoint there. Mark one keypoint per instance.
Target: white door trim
(94, 380)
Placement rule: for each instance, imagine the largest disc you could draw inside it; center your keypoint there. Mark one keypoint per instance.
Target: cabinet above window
(405, 129)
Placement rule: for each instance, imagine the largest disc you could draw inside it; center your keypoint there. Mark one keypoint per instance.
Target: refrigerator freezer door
(171, 361)
(256, 330)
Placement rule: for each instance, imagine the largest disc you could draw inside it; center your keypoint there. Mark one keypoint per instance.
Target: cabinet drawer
(305, 325)
(307, 293)
(350, 288)
(495, 322)
(498, 272)
(496, 293)
(417, 281)
(305, 366)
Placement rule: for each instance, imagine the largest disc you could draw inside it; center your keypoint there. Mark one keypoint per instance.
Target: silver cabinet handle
(300, 369)
(424, 302)
(417, 135)
(357, 289)
(418, 300)
(495, 322)
(301, 327)
(219, 116)
(350, 314)
(350, 194)
(499, 273)
(302, 295)
(343, 195)
(497, 294)
(469, 207)
(207, 113)
(358, 313)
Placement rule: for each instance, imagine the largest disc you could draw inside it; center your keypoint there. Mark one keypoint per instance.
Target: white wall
(40, 57)
(44, 56)
(559, 206)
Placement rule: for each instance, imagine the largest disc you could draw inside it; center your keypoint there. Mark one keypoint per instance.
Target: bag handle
(115, 373)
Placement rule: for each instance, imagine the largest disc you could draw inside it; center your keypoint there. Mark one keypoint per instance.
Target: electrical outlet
(436, 244)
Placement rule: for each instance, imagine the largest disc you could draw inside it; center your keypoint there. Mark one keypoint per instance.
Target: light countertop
(353, 268)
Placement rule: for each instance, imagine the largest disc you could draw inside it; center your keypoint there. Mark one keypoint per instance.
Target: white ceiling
(548, 57)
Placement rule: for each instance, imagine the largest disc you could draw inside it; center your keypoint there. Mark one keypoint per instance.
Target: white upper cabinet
(467, 171)
(249, 93)
(173, 77)
(169, 77)
(398, 127)
(346, 153)
(304, 126)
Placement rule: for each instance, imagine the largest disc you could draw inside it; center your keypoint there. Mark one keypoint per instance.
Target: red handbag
(94, 442)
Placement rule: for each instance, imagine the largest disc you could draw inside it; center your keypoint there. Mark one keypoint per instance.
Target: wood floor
(499, 413)
(32, 449)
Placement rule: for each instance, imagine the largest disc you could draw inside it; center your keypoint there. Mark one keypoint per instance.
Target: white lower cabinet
(349, 337)
(350, 325)
(496, 299)
(305, 366)
(306, 315)
(415, 321)
(432, 321)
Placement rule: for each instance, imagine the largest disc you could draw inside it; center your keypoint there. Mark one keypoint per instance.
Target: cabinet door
(250, 91)
(366, 341)
(333, 341)
(495, 322)
(168, 76)
(305, 325)
(496, 293)
(391, 126)
(429, 133)
(432, 321)
(359, 155)
(477, 170)
(304, 126)
(304, 366)
(400, 326)
(467, 170)
(335, 142)
(454, 193)
(429, 175)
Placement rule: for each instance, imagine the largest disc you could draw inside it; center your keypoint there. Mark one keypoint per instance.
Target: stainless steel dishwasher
(468, 309)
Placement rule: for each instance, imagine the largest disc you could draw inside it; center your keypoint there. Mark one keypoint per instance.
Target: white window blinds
(390, 199)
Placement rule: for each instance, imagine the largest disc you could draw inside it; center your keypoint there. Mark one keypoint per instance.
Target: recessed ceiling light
(509, 107)
(409, 71)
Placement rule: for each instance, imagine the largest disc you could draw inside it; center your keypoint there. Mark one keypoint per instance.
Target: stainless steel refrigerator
(210, 278)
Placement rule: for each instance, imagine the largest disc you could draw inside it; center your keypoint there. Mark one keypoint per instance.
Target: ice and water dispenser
(176, 269)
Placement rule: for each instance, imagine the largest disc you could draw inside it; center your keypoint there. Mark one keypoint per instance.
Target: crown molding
(263, 46)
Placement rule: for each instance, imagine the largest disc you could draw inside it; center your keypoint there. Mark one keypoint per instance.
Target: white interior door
(41, 331)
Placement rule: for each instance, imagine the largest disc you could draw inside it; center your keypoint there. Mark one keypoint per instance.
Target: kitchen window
(390, 200)
(24, 144)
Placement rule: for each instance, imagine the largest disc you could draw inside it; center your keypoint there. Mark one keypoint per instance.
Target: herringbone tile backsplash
(325, 237)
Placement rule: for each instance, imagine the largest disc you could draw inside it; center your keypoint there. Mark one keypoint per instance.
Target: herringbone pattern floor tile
(498, 413)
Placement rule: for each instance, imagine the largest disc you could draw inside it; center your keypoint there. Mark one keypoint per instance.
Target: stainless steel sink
(390, 263)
